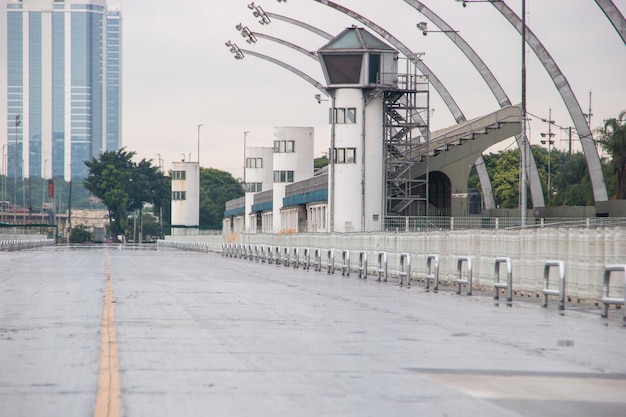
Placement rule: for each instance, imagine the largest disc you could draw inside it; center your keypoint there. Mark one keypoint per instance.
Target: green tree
(81, 234)
(572, 184)
(612, 138)
(321, 162)
(216, 188)
(124, 186)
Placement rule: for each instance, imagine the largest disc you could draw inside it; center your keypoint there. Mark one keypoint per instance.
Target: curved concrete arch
(288, 44)
(495, 87)
(615, 16)
(296, 71)
(573, 107)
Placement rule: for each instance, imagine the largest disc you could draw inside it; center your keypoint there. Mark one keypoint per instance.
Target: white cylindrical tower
(185, 198)
(357, 67)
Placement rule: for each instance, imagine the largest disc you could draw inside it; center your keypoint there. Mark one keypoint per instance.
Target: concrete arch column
(573, 107)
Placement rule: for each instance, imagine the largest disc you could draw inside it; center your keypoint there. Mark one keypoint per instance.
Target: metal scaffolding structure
(405, 136)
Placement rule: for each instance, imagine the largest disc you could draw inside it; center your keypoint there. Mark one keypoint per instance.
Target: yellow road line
(108, 398)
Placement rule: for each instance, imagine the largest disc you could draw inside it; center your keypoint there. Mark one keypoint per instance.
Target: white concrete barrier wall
(585, 251)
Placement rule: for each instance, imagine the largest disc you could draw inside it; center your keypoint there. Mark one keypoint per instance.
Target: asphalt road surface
(143, 332)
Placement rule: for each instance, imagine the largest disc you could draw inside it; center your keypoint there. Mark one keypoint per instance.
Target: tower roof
(355, 39)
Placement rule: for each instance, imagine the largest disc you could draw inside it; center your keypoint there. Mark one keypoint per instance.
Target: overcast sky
(178, 74)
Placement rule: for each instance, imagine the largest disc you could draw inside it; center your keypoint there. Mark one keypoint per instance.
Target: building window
(344, 155)
(254, 162)
(179, 175)
(179, 195)
(254, 187)
(284, 146)
(283, 176)
(344, 115)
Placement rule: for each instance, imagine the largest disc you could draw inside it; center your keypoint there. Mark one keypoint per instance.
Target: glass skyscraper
(63, 85)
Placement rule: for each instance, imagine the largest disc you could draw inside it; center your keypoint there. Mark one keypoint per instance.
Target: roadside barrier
(362, 265)
(345, 263)
(330, 261)
(459, 270)
(606, 300)
(381, 271)
(432, 272)
(546, 281)
(405, 269)
(17, 244)
(509, 279)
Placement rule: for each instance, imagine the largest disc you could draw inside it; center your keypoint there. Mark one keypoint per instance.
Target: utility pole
(18, 122)
(523, 147)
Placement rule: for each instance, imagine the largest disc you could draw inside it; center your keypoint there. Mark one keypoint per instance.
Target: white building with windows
(62, 84)
(355, 65)
(293, 162)
(185, 198)
(258, 177)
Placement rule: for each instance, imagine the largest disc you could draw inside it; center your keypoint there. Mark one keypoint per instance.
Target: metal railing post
(317, 260)
(432, 273)
(509, 279)
(546, 281)
(296, 258)
(330, 261)
(606, 300)
(345, 263)
(306, 259)
(459, 269)
(381, 271)
(363, 265)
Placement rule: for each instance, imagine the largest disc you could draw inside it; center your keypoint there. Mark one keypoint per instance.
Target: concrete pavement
(198, 334)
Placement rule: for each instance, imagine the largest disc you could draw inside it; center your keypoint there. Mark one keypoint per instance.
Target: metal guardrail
(560, 292)
(264, 254)
(10, 245)
(405, 269)
(330, 261)
(295, 258)
(459, 270)
(508, 285)
(362, 268)
(381, 271)
(345, 263)
(306, 259)
(432, 272)
(317, 256)
(423, 223)
(606, 300)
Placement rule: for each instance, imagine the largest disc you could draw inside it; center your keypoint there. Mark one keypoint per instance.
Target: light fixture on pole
(258, 12)
(234, 49)
(423, 27)
(319, 98)
(246, 33)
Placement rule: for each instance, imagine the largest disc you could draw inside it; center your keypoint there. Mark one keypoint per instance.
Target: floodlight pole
(523, 202)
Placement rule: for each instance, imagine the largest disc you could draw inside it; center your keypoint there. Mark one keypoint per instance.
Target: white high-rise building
(62, 82)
